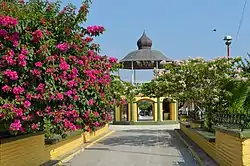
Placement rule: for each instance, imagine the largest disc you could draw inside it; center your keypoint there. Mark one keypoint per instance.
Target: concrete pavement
(137, 146)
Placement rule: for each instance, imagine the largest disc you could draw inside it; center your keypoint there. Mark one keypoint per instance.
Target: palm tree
(238, 96)
(245, 65)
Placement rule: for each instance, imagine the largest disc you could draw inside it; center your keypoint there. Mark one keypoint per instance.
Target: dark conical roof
(144, 57)
(144, 42)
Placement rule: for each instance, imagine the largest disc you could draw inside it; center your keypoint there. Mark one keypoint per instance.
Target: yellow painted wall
(246, 152)
(229, 149)
(93, 135)
(28, 151)
(208, 147)
(32, 151)
(64, 147)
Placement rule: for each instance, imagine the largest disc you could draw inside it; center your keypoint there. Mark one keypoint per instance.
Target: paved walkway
(137, 146)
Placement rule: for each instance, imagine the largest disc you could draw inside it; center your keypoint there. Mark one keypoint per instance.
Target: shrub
(52, 76)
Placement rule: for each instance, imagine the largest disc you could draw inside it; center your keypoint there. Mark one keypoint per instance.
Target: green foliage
(145, 105)
(237, 94)
(245, 65)
(195, 80)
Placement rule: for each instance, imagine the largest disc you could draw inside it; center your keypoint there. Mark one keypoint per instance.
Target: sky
(178, 28)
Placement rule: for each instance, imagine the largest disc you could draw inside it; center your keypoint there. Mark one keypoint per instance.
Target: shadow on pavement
(127, 151)
(149, 138)
(142, 138)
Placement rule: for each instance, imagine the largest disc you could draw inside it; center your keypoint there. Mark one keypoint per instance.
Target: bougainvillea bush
(52, 76)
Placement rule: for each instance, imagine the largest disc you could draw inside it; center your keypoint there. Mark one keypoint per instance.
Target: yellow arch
(138, 98)
(133, 110)
(154, 106)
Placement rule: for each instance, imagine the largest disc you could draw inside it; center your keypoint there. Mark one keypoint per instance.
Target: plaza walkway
(137, 146)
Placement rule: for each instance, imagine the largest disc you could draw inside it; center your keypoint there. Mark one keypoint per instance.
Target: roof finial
(144, 42)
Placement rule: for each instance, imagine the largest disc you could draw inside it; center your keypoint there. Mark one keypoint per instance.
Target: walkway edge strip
(195, 155)
(66, 159)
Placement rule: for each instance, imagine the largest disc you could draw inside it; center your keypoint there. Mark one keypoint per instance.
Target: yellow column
(173, 111)
(155, 112)
(135, 112)
(118, 113)
(129, 112)
(161, 111)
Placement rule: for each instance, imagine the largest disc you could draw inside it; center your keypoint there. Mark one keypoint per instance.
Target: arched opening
(124, 112)
(166, 109)
(145, 110)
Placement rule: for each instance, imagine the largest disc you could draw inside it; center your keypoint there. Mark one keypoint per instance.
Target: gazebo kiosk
(141, 59)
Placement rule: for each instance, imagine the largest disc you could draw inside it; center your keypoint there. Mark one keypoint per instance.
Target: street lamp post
(228, 42)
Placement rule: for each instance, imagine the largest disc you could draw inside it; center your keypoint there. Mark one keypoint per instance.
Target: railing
(193, 115)
(232, 120)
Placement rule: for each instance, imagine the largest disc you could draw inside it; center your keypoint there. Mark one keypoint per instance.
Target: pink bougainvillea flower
(40, 87)
(22, 57)
(24, 118)
(96, 124)
(38, 64)
(88, 39)
(36, 72)
(8, 21)
(95, 29)
(37, 36)
(64, 66)
(18, 112)
(28, 96)
(96, 114)
(39, 113)
(14, 38)
(11, 74)
(90, 102)
(3, 33)
(6, 88)
(69, 125)
(75, 71)
(91, 53)
(59, 96)
(24, 51)
(63, 46)
(76, 98)
(69, 93)
(71, 83)
(112, 60)
(34, 126)
(80, 62)
(10, 60)
(27, 104)
(16, 125)
(22, 63)
(18, 90)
